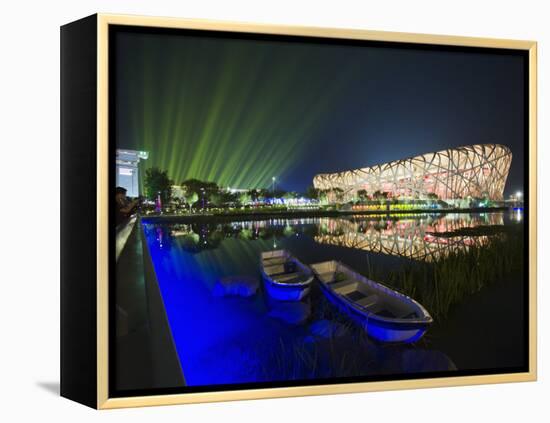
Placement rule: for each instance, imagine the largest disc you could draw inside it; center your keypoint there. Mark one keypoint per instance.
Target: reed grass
(437, 285)
(446, 281)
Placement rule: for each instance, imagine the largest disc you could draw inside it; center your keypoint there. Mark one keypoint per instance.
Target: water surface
(236, 339)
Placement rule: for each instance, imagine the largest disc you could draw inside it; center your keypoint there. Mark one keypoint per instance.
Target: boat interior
(284, 269)
(364, 294)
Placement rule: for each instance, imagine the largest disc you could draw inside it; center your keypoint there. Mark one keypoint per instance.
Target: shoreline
(286, 214)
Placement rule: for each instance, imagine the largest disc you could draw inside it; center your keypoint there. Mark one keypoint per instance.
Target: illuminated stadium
(475, 171)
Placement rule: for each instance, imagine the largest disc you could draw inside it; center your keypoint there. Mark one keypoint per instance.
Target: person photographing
(125, 206)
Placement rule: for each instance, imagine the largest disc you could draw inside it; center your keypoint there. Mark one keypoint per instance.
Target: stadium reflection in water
(227, 330)
(424, 238)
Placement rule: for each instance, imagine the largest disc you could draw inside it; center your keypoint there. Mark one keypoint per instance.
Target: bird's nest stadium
(475, 171)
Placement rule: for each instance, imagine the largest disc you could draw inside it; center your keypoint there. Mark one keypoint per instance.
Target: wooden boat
(286, 278)
(385, 314)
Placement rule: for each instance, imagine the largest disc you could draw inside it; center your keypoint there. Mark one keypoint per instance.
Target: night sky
(237, 112)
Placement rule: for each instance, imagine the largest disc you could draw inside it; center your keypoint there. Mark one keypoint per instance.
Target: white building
(127, 170)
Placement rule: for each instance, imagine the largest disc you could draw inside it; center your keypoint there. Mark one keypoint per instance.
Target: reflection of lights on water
(518, 215)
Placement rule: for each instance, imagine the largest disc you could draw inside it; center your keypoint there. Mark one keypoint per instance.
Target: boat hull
(285, 292)
(278, 278)
(379, 330)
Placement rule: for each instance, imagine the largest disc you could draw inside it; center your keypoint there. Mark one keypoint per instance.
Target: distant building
(127, 170)
(235, 190)
(475, 171)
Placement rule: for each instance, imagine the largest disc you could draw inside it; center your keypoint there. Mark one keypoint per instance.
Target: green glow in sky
(228, 111)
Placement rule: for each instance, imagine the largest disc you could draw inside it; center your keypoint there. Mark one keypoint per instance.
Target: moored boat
(385, 314)
(286, 278)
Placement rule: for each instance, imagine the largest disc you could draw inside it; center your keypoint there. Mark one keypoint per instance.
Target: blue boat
(286, 278)
(385, 314)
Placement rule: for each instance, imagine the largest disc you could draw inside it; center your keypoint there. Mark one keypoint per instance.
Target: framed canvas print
(253, 211)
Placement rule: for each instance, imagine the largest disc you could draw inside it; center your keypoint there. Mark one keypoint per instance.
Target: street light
(273, 185)
(519, 194)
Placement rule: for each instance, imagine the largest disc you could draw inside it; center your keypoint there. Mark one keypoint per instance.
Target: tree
(265, 193)
(244, 198)
(157, 182)
(229, 197)
(313, 193)
(278, 193)
(196, 185)
(290, 195)
(260, 195)
(322, 196)
(380, 195)
(216, 199)
(337, 195)
(191, 198)
(362, 194)
(254, 194)
(206, 190)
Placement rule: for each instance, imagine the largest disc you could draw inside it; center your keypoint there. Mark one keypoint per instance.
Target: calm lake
(224, 339)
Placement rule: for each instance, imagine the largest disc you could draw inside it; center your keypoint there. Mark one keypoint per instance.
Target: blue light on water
(239, 334)
(217, 338)
(518, 214)
(295, 293)
(388, 334)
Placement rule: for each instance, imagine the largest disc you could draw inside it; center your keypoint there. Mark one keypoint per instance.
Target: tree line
(194, 192)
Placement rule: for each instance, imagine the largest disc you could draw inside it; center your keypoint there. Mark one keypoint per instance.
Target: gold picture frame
(102, 201)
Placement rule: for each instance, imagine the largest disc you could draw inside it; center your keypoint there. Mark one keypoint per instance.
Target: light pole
(519, 194)
(202, 193)
(273, 185)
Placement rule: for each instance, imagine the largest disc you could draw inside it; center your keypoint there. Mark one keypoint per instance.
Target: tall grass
(446, 281)
(352, 354)
(438, 285)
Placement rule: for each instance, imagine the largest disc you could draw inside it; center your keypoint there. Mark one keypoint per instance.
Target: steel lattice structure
(476, 171)
(411, 239)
